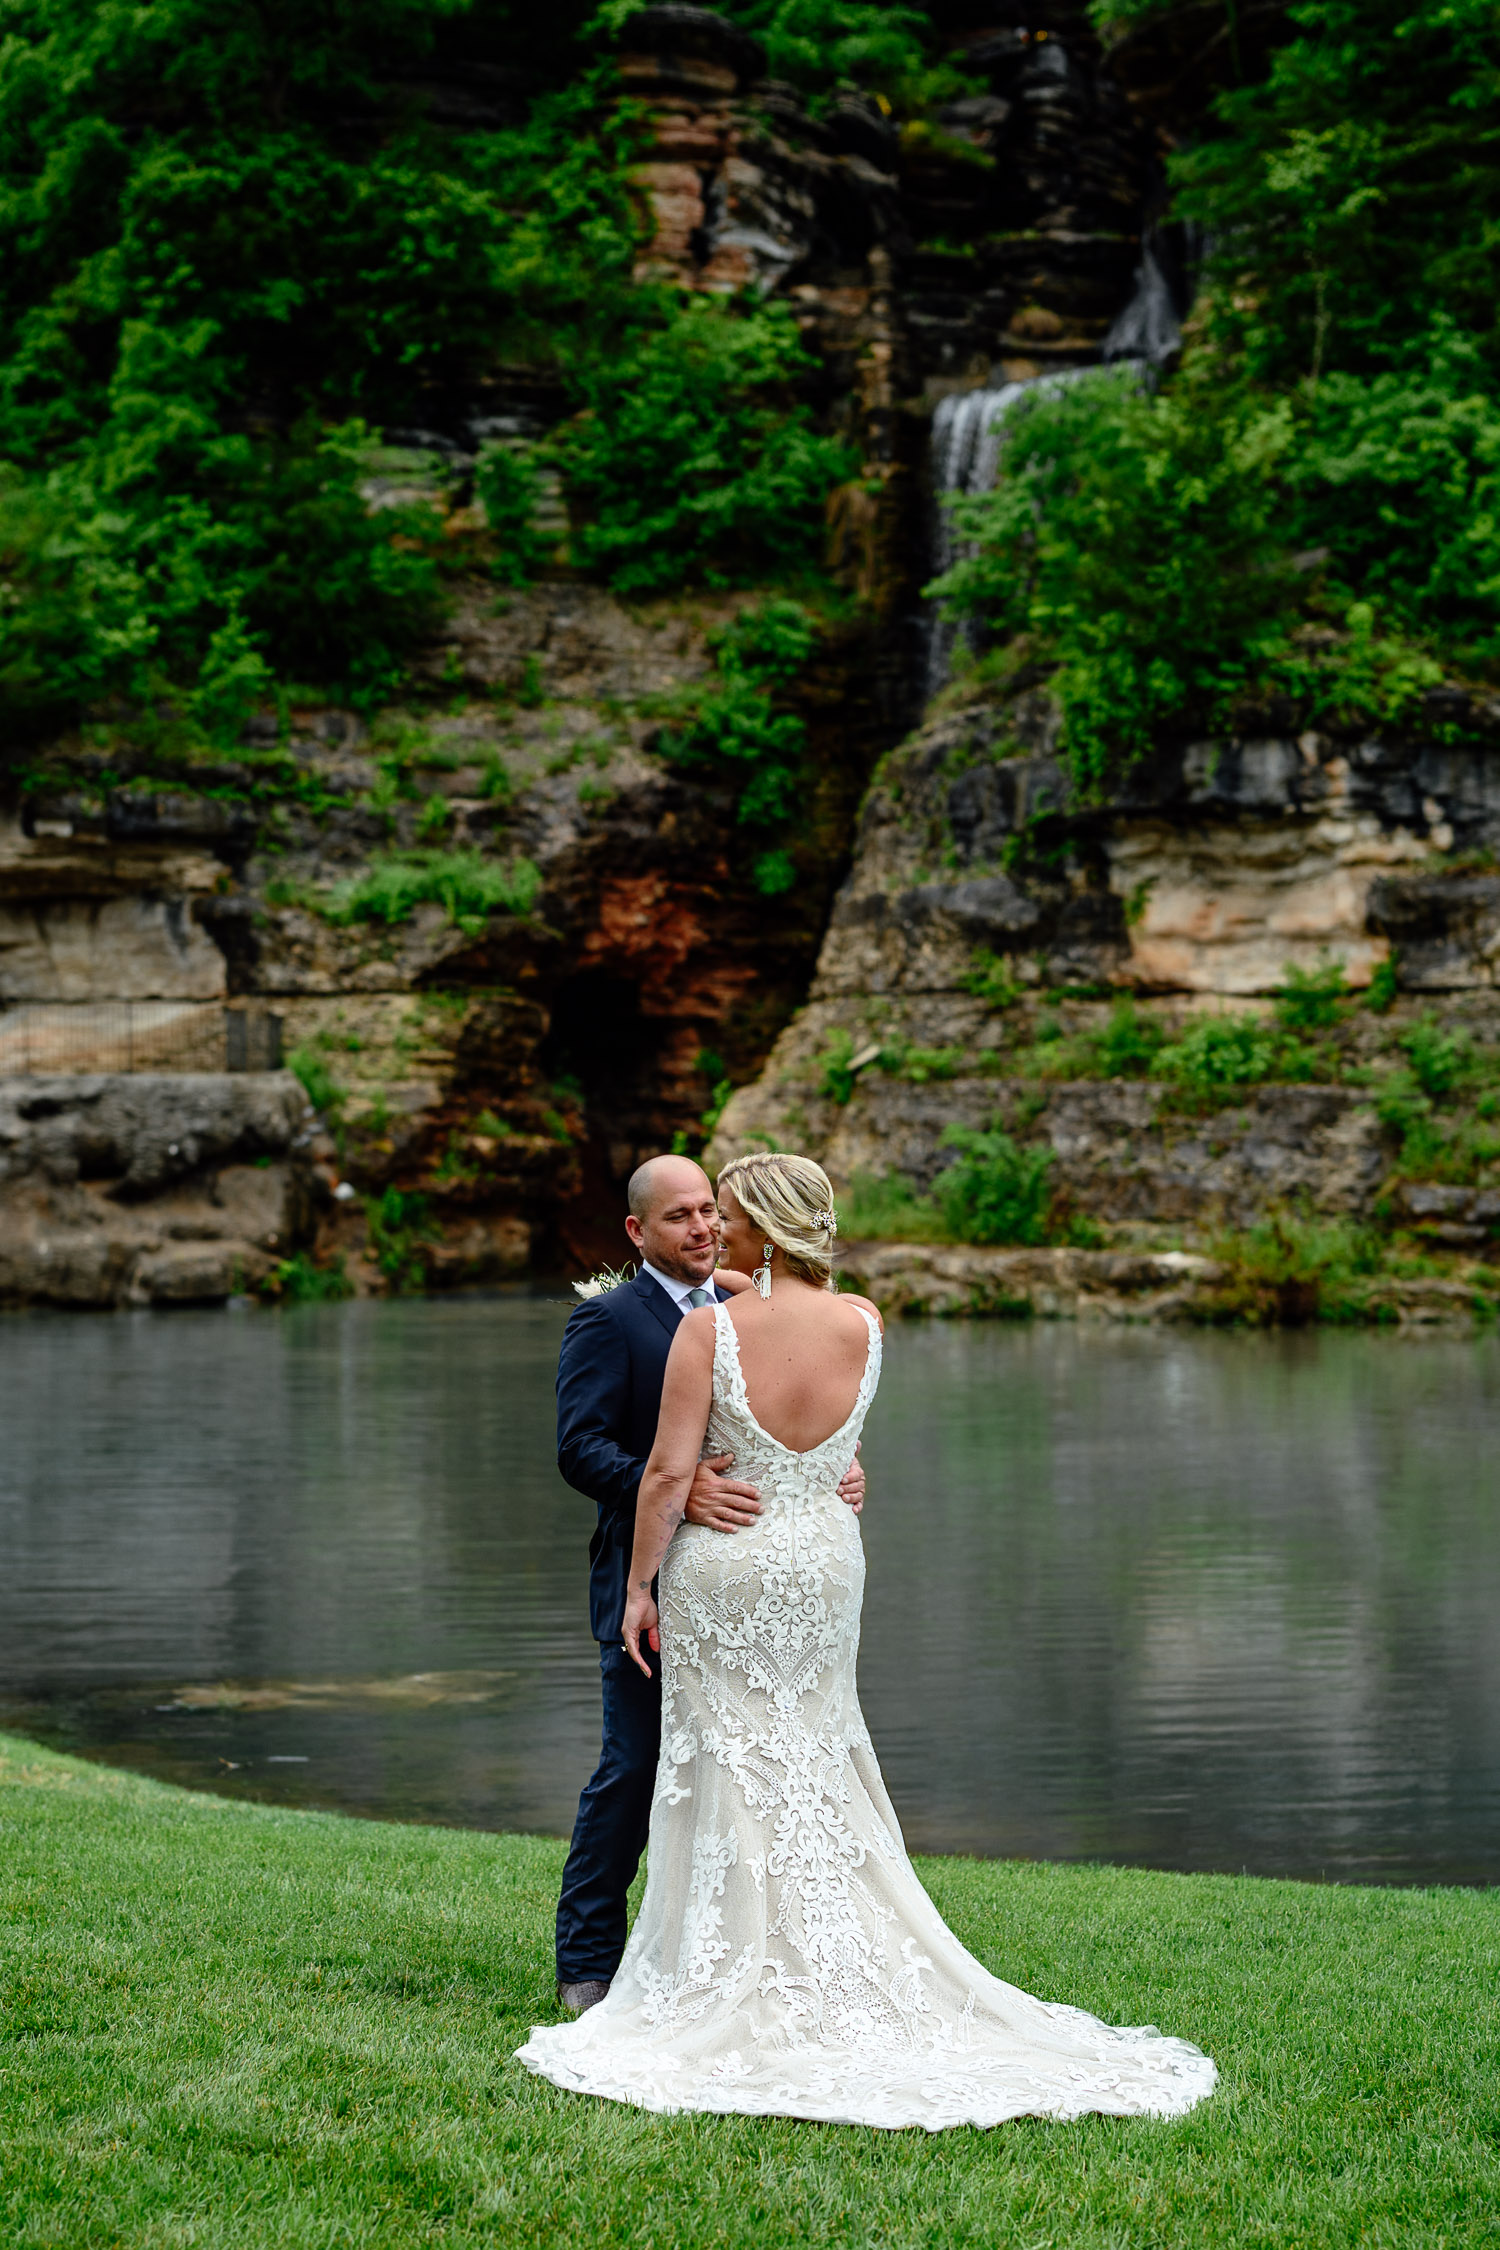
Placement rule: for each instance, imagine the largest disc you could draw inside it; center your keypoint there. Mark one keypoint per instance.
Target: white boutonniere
(600, 1284)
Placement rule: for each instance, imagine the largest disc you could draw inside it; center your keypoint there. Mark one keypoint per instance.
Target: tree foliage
(1353, 198)
(238, 247)
(693, 456)
(819, 44)
(233, 242)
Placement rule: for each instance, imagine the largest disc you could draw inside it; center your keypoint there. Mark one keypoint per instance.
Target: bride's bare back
(802, 1354)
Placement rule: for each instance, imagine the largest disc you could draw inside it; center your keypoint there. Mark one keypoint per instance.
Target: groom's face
(679, 1232)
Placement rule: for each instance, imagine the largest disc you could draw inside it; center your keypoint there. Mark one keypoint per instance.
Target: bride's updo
(791, 1202)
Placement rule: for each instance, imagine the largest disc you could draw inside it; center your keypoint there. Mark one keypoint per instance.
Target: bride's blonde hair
(791, 1202)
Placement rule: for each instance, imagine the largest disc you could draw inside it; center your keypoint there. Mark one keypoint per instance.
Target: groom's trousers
(614, 1814)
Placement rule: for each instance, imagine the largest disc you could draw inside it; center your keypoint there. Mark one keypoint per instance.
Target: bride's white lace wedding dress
(786, 1961)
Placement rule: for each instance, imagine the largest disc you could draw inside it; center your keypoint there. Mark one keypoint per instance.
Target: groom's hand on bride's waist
(718, 1502)
(723, 1503)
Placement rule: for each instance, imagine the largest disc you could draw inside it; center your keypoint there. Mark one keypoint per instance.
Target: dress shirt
(678, 1290)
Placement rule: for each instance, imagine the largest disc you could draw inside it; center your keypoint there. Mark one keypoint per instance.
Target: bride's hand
(640, 1617)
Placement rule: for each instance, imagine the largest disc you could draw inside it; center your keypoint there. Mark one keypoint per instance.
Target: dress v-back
(786, 1961)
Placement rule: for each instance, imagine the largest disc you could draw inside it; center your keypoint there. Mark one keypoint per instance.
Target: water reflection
(1188, 1600)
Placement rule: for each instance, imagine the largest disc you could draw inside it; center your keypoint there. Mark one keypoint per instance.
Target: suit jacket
(610, 1373)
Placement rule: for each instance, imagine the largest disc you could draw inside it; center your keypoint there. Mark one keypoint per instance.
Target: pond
(1178, 1599)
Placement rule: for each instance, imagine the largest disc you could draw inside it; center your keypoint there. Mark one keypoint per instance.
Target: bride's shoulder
(863, 1304)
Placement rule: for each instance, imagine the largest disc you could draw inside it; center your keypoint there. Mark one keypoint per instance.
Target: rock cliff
(991, 913)
(590, 967)
(147, 1189)
(510, 1066)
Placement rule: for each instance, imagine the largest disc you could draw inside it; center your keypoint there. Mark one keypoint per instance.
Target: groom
(609, 1383)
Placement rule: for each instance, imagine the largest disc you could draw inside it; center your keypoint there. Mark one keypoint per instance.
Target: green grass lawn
(228, 2024)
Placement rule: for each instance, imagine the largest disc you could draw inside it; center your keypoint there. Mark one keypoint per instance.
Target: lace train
(786, 1961)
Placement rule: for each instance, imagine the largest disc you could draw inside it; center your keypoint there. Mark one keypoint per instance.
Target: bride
(786, 1961)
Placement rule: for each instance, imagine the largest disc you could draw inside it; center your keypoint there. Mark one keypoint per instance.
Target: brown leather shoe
(577, 1999)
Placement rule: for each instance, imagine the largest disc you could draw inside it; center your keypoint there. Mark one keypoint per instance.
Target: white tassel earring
(763, 1271)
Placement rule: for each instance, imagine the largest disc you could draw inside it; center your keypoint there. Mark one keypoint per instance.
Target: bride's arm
(734, 1282)
(687, 1394)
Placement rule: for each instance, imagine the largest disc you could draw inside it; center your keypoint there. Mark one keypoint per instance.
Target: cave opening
(603, 1041)
(601, 1037)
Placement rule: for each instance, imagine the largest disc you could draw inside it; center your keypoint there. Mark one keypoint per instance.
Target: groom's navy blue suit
(609, 1381)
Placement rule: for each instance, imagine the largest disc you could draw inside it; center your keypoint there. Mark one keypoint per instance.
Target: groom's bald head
(659, 1179)
(673, 1220)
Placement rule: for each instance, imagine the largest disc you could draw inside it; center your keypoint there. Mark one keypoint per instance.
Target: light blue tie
(697, 1297)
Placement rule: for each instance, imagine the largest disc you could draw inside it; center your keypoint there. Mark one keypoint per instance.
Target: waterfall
(967, 431)
(1148, 328)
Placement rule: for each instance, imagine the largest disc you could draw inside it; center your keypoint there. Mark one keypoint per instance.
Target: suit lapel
(656, 1300)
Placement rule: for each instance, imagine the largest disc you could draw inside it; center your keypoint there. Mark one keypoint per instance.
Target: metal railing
(85, 1037)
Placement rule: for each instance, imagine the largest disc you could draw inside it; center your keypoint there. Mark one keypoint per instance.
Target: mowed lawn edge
(228, 2023)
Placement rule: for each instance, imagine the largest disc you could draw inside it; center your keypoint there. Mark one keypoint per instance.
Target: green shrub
(457, 1165)
(1134, 537)
(693, 460)
(883, 1207)
(1220, 1053)
(1131, 1043)
(993, 1191)
(1397, 477)
(1310, 999)
(1290, 1269)
(400, 1227)
(318, 1082)
(509, 489)
(991, 977)
(711, 1068)
(1308, 508)
(1403, 1108)
(774, 874)
(921, 1066)
(836, 1081)
(465, 884)
(735, 729)
(119, 580)
(1439, 1059)
(1152, 548)
(299, 1281)
(1384, 988)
